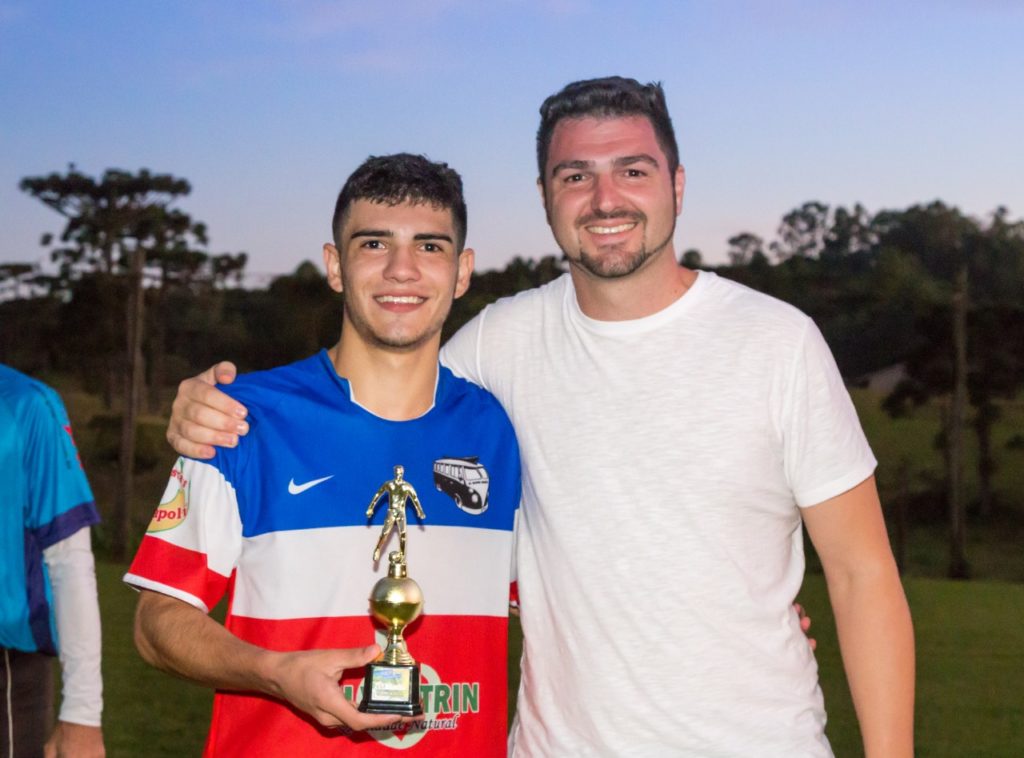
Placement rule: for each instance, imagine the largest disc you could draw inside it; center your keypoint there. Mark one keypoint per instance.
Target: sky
(266, 106)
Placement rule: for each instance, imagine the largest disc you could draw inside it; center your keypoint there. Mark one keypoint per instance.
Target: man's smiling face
(399, 270)
(610, 199)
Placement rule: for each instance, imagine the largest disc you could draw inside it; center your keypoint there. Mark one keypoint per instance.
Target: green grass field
(970, 675)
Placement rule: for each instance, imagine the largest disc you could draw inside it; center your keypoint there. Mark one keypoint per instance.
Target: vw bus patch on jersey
(465, 481)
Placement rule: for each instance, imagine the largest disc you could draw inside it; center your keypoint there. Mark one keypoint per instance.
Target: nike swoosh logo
(297, 489)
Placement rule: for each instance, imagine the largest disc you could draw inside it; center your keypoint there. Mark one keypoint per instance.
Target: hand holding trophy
(392, 683)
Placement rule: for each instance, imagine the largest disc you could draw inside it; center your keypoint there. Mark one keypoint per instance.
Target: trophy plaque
(392, 683)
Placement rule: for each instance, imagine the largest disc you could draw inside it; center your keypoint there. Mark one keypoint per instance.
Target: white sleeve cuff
(76, 610)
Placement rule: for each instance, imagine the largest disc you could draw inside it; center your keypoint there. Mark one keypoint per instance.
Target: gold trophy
(392, 683)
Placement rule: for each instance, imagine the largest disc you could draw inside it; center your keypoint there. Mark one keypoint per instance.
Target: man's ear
(467, 259)
(543, 198)
(679, 184)
(332, 264)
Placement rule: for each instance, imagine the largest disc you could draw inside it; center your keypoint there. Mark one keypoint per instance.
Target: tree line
(138, 302)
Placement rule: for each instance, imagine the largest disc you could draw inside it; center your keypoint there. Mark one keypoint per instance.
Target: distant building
(884, 380)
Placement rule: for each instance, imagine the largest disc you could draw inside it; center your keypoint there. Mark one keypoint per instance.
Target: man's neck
(658, 283)
(395, 385)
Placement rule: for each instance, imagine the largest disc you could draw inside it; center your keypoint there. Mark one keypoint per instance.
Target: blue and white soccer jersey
(46, 499)
(279, 523)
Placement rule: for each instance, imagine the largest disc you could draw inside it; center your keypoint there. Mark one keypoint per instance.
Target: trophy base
(392, 688)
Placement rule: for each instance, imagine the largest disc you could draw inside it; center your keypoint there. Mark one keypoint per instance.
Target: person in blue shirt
(48, 603)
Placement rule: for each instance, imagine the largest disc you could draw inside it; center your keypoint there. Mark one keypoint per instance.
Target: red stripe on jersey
(464, 689)
(180, 568)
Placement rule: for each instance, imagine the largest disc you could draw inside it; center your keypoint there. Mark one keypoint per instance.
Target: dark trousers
(26, 713)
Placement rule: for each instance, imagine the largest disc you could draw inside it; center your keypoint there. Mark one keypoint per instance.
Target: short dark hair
(609, 97)
(404, 178)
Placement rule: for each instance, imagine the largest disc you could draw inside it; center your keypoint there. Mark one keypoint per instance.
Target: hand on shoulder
(202, 416)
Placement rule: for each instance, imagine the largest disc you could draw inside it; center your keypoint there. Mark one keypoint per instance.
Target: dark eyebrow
(625, 160)
(423, 236)
(628, 160)
(426, 236)
(371, 233)
(570, 164)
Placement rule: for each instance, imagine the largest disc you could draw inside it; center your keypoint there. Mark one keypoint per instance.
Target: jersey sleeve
(824, 447)
(60, 501)
(513, 573)
(194, 539)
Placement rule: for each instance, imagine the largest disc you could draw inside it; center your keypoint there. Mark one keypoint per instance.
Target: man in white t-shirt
(676, 430)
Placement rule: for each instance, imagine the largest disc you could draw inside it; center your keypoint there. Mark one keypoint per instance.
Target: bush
(150, 445)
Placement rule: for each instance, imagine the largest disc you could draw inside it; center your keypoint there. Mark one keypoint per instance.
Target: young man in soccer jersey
(48, 603)
(279, 523)
(677, 429)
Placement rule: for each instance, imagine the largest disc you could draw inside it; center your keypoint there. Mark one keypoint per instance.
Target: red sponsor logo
(176, 473)
(168, 515)
(78, 456)
(165, 514)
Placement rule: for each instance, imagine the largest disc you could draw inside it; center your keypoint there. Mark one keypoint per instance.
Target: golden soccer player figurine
(398, 492)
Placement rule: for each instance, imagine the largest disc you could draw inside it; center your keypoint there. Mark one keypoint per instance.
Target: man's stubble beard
(617, 265)
(601, 266)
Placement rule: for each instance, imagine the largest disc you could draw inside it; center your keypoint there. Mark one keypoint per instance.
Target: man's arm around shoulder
(202, 416)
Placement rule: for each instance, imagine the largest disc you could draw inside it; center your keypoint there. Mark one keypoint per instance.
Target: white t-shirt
(659, 547)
